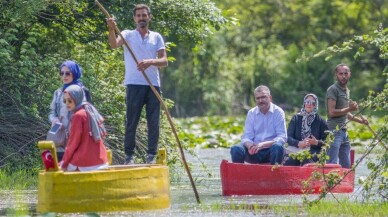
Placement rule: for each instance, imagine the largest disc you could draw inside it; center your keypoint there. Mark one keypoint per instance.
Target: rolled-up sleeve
(280, 127)
(52, 115)
(249, 131)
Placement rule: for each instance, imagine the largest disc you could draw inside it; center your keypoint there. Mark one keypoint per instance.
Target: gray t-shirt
(341, 96)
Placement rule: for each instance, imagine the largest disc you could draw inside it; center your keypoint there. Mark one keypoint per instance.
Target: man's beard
(142, 24)
(343, 82)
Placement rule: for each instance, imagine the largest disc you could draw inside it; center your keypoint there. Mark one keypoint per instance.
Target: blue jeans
(272, 155)
(340, 148)
(138, 96)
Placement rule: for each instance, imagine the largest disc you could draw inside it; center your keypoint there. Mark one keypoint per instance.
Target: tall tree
(262, 48)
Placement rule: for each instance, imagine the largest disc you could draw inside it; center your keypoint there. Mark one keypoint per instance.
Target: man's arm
(333, 112)
(114, 41)
(249, 132)
(161, 61)
(254, 148)
(266, 144)
(357, 119)
(280, 127)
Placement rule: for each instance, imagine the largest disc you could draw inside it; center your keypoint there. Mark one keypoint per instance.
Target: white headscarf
(96, 127)
(308, 118)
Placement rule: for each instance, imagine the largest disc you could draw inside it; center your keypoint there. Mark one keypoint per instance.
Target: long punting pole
(160, 100)
(374, 134)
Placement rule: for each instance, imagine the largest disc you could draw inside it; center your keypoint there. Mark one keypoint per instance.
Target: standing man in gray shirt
(339, 105)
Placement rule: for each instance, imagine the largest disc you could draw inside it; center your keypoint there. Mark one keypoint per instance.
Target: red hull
(256, 179)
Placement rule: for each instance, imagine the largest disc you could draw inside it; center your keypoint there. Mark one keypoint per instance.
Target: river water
(183, 202)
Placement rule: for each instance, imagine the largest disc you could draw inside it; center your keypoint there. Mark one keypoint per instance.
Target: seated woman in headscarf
(85, 149)
(306, 130)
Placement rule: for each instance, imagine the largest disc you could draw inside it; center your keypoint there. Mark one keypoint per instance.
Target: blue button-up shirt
(261, 127)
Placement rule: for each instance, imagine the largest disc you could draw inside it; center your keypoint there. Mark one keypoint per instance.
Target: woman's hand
(312, 140)
(54, 121)
(303, 144)
(60, 166)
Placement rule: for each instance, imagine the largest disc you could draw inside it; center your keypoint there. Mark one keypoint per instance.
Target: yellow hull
(119, 188)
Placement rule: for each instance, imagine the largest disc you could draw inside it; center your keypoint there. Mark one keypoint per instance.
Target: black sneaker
(151, 159)
(129, 161)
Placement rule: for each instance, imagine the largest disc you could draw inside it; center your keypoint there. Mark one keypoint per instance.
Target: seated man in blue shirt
(264, 132)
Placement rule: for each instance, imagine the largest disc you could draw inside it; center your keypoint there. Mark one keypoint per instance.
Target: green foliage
(301, 155)
(378, 103)
(378, 38)
(341, 207)
(36, 38)
(21, 179)
(13, 159)
(211, 132)
(377, 181)
(218, 76)
(348, 208)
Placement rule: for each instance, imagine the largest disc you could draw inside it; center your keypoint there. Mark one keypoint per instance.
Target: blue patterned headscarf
(76, 70)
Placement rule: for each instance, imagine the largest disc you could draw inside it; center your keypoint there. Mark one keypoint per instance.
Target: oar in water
(160, 100)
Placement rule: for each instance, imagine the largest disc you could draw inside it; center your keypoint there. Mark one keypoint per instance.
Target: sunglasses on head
(67, 101)
(309, 102)
(64, 73)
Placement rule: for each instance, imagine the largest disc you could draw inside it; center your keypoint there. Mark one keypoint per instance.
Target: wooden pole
(374, 133)
(160, 100)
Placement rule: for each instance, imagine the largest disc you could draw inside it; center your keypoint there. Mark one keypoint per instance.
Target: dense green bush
(36, 38)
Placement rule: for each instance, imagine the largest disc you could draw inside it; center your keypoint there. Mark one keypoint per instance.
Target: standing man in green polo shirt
(339, 105)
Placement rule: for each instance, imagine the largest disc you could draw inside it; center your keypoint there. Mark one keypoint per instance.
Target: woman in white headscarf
(306, 130)
(85, 149)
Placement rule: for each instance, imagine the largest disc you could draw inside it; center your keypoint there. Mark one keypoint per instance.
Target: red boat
(262, 179)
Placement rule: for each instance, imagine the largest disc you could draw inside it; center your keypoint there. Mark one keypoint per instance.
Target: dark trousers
(273, 155)
(60, 155)
(138, 96)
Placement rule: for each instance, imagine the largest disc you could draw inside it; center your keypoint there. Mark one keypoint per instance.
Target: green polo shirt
(341, 96)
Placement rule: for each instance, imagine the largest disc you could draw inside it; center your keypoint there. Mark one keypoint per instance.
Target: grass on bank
(324, 208)
(18, 180)
(348, 208)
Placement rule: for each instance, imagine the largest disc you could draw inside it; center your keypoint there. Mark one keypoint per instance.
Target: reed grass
(18, 180)
(325, 208)
(349, 208)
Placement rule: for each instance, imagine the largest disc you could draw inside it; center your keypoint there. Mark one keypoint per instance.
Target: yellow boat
(118, 188)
